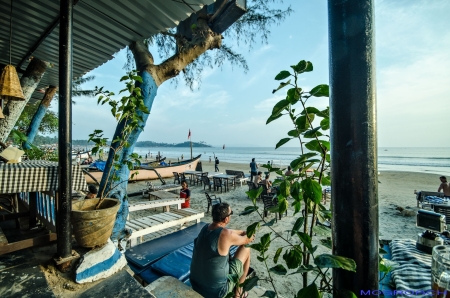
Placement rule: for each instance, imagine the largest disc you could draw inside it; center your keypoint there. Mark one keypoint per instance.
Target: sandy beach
(395, 189)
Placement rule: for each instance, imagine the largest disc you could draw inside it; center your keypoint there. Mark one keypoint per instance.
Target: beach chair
(217, 183)
(206, 182)
(198, 178)
(443, 210)
(210, 199)
(177, 178)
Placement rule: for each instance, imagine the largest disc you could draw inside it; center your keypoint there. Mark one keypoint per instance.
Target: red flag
(189, 135)
(223, 146)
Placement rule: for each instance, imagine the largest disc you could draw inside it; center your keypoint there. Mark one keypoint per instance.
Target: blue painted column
(38, 116)
(149, 90)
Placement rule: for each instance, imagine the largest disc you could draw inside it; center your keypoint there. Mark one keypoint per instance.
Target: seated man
(289, 171)
(211, 263)
(267, 183)
(92, 193)
(444, 187)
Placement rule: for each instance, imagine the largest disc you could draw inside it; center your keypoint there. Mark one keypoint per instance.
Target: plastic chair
(206, 182)
(210, 199)
(217, 183)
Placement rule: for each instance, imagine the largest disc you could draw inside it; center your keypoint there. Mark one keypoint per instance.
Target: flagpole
(191, 148)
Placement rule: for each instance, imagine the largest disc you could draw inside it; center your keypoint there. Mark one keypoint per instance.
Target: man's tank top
(209, 270)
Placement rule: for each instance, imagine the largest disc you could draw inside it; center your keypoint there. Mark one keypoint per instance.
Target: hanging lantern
(10, 88)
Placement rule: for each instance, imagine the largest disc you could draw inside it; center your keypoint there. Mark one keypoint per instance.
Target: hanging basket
(10, 88)
(93, 227)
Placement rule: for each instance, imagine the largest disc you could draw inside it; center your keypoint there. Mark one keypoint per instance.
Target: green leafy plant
(34, 153)
(301, 191)
(128, 113)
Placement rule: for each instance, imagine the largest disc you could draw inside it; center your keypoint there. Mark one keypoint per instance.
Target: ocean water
(412, 159)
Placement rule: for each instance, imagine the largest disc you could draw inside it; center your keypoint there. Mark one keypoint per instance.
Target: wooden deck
(157, 222)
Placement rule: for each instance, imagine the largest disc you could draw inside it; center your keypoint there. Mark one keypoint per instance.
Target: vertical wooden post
(64, 245)
(353, 142)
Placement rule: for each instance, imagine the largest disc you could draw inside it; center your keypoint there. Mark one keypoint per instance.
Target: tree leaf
(277, 254)
(278, 269)
(294, 133)
(279, 107)
(325, 123)
(297, 225)
(345, 294)
(285, 187)
(270, 223)
(312, 133)
(320, 91)
(250, 283)
(251, 229)
(322, 231)
(310, 291)
(282, 85)
(302, 122)
(296, 163)
(305, 239)
(332, 261)
(272, 118)
(293, 95)
(282, 142)
(310, 110)
(327, 243)
(293, 257)
(248, 210)
(282, 75)
(312, 190)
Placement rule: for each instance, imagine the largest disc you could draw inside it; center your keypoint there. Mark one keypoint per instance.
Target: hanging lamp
(10, 88)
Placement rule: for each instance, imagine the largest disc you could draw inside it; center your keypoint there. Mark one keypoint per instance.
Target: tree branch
(204, 39)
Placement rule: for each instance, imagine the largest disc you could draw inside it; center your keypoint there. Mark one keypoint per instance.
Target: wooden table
(226, 178)
(161, 194)
(192, 174)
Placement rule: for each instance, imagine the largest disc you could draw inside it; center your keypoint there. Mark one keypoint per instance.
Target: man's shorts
(236, 268)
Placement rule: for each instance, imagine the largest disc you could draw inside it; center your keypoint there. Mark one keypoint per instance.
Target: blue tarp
(99, 164)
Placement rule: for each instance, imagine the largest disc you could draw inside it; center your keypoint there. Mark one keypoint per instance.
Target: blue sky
(413, 63)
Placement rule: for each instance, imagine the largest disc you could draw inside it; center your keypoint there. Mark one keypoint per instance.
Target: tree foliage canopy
(251, 28)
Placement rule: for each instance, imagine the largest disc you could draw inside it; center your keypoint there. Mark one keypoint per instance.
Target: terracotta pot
(93, 227)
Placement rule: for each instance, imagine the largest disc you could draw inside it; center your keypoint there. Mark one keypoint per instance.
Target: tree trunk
(39, 115)
(119, 192)
(29, 81)
(153, 76)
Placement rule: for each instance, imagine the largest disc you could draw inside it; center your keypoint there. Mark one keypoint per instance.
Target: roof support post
(64, 245)
(353, 142)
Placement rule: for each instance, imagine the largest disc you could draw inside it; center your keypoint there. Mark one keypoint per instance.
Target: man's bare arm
(440, 187)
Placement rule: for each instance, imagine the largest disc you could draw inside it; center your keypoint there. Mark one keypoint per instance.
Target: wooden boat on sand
(151, 172)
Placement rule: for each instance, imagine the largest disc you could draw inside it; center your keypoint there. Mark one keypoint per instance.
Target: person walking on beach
(253, 169)
(211, 261)
(444, 186)
(210, 159)
(182, 156)
(216, 165)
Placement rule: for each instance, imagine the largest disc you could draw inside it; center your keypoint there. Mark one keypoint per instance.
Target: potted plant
(93, 219)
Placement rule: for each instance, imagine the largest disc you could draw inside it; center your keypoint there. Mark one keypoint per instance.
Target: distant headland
(44, 140)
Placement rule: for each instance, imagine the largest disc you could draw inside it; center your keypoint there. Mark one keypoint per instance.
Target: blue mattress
(176, 264)
(143, 255)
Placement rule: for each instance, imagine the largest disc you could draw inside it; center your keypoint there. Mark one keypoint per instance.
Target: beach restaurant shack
(76, 36)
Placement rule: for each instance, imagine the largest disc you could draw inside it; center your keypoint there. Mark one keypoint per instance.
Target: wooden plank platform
(156, 203)
(157, 222)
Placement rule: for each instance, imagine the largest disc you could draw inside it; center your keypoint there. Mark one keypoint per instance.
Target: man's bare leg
(243, 254)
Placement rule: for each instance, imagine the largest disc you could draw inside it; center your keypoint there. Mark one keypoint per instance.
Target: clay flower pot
(93, 227)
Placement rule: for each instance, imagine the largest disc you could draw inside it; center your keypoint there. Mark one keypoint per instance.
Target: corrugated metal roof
(101, 28)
